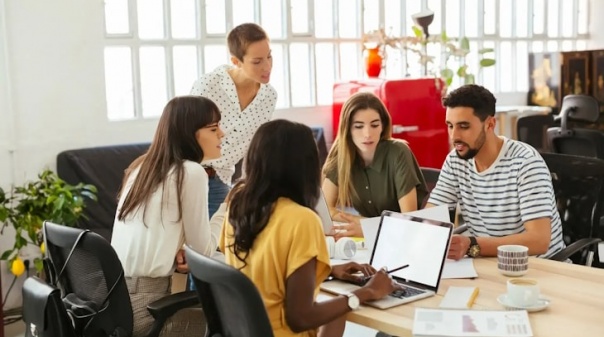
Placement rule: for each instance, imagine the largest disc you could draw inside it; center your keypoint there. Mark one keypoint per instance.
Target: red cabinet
(416, 109)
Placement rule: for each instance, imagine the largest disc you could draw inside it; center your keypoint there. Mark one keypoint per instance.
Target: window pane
(553, 23)
(392, 17)
(215, 17)
(394, 63)
(567, 45)
(505, 18)
(521, 19)
(471, 18)
(300, 17)
(278, 75)
(347, 18)
(537, 47)
(538, 16)
(411, 7)
(552, 46)
(568, 22)
(116, 17)
(183, 19)
(325, 72)
(349, 61)
(490, 19)
(153, 80)
(488, 74)
(214, 56)
(300, 74)
(371, 15)
(150, 19)
(118, 83)
(186, 69)
(272, 18)
(581, 45)
(521, 66)
(583, 20)
(324, 18)
(435, 6)
(452, 21)
(243, 11)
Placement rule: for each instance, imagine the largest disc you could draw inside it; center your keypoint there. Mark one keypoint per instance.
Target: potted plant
(26, 207)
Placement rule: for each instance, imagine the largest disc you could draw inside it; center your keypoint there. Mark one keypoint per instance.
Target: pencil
(397, 269)
(473, 297)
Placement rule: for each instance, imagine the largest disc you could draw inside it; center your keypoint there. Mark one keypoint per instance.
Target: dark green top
(392, 174)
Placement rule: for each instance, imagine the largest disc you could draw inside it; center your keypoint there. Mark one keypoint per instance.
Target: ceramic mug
(512, 260)
(523, 292)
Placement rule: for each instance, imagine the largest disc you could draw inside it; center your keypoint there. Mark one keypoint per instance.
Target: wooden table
(576, 294)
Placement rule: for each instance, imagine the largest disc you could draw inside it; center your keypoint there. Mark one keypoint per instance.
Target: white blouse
(148, 249)
(238, 126)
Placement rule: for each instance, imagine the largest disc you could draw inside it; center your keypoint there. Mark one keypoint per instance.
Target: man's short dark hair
(472, 96)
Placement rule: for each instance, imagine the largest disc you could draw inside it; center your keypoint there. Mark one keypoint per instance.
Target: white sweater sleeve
(195, 219)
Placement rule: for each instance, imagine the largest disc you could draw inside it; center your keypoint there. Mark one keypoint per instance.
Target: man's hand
(350, 227)
(181, 262)
(458, 247)
(346, 271)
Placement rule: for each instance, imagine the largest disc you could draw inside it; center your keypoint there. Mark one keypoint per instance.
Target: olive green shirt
(393, 173)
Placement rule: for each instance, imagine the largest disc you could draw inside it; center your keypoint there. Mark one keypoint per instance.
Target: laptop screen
(421, 243)
(323, 211)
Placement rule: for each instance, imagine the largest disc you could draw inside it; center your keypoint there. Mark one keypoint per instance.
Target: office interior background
(77, 74)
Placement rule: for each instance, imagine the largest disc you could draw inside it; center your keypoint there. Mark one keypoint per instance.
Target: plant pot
(373, 62)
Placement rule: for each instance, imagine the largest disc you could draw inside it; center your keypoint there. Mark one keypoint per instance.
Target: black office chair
(92, 284)
(532, 129)
(577, 141)
(230, 301)
(578, 185)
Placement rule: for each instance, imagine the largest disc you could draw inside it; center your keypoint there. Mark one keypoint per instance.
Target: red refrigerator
(416, 110)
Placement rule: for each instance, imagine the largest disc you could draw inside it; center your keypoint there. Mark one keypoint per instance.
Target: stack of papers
(435, 322)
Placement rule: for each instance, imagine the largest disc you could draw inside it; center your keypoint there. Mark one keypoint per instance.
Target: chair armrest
(165, 307)
(460, 229)
(573, 248)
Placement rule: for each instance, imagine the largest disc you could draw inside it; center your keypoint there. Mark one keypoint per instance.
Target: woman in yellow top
(368, 169)
(275, 238)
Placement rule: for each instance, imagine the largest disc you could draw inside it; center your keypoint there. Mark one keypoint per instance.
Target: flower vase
(373, 62)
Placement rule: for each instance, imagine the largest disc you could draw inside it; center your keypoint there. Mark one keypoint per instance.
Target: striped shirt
(497, 202)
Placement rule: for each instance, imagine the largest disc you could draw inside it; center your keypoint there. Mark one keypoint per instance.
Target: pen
(397, 269)
(473, 297)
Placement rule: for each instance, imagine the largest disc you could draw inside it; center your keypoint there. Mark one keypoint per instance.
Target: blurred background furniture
(507, 117)
(230, 301)
(416, 111)
(532, 129)
(577, 140)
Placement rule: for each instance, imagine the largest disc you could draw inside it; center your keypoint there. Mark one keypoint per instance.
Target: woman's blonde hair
(343, 152)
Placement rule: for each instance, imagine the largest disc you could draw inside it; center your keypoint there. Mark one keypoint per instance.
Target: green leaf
(417, 31)
(443, 36)
(469, 79)
(461, 72)
(485, 50)
(487, 63)
(464, 44)
(39, 264)
(7, 254)
(447, 74)
(449, 81)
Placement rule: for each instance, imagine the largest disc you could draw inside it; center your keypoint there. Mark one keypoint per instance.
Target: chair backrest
(532, 129)
(93, 275)
(230, 301)
(431, 176)
(578, 184)
(577, 141)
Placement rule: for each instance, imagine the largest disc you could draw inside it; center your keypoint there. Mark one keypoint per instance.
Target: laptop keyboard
(406, 292)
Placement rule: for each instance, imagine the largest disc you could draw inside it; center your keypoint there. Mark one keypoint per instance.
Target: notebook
(403, 239)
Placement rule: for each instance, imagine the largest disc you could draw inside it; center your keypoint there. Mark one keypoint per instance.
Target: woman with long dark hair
(273, 235)
(163, 204)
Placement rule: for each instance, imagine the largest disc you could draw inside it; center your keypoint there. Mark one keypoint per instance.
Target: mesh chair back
(578, 184)
(579, 142)
(89, 276)
(532, 129)
(230, 301)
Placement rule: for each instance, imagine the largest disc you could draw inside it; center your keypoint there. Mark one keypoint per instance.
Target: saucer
(540, 305)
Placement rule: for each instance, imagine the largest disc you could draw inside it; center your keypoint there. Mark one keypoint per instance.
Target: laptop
(404, 239)
(323, 211)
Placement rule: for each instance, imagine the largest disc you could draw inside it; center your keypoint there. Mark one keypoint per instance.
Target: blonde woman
(367, 169)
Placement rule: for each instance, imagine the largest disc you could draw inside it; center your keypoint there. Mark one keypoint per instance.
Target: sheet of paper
(435, 322)
(438, 213)
(463, 268)
(370, 228)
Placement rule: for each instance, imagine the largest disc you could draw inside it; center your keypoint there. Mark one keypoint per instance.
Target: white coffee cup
(512, 260)
(523, 292)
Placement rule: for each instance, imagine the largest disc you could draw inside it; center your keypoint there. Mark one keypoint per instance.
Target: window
(156, 49)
